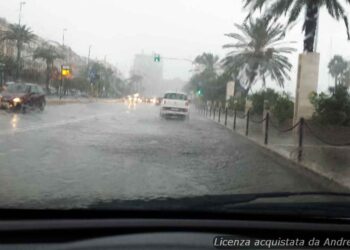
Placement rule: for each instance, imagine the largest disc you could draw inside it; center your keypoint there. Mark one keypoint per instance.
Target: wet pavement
(75, 155)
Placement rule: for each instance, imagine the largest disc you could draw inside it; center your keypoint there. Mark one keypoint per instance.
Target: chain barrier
(323, 140)
(258, 122)
(242, 117)
(284, 130)
(267, 120)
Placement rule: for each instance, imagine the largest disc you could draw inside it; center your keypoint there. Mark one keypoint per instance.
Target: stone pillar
(307, 81)
(230, 90)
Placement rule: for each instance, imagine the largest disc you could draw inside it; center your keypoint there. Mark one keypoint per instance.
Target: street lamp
(88, 59)
(20, 11)
(64, 30)
(2, 66)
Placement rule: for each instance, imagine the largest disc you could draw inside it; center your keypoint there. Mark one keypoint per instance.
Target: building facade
(38, 66)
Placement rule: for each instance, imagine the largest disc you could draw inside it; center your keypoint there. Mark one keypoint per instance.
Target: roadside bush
(283, 108)
(332, 109)
(258, 99)
(237, 103)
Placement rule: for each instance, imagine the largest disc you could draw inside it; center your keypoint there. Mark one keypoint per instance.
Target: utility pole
(88, 59)
(2, 66)
(20, 11)
(64, 30)
(64, 54)
(88, 70)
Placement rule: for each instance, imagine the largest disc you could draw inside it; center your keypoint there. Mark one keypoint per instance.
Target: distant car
(21, 96)
(158, 101)
(174, 104)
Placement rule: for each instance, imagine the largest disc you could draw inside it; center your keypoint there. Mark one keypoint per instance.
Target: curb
(291, 162)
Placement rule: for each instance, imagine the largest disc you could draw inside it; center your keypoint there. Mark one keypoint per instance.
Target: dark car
(159, 101)
(21, 96)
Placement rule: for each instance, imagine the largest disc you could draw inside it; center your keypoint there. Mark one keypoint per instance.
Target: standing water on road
(195, 104)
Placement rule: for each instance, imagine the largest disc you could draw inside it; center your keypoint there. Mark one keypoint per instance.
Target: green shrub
(332, 109)
(283, 108)
(237, 103)
(258, 99)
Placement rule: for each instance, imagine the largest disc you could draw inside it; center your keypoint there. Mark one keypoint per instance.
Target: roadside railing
(298, 128)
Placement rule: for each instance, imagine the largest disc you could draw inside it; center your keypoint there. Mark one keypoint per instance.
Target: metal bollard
(234, 119)
(247, 124)
(301, 135)
(267, 118)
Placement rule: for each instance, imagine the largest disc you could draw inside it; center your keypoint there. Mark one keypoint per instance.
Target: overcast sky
(118, 29)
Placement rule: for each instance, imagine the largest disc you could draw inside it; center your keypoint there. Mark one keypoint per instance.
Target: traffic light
(66, 71)
(156, 58)
(199, 92)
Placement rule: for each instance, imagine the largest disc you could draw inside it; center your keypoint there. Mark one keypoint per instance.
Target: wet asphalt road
(75, 155)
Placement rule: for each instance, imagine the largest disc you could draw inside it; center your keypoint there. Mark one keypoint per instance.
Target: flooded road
(75, 155)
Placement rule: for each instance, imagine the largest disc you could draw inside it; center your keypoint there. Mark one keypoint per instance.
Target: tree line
(259, 51)
(94, 78)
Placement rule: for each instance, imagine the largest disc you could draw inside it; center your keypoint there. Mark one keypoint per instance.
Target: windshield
(17, 88)
(177, 104)
(175, 96)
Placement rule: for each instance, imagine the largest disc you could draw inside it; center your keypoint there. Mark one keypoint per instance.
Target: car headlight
(17, 100)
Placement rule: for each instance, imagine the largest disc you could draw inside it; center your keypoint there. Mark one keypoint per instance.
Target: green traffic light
(156, 58)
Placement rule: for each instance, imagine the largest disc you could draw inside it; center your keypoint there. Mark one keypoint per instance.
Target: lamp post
(63, 31)
(88, 70)
(64, 54)
(20, 11)
(88, 59)
(2, 66)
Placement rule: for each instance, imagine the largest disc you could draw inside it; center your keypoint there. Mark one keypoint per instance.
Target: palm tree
(258, 53)
(204, 80)
(294, 8)
(20, 34)
(207, 62)
(337, 67)
(48, 53)
(9, 65)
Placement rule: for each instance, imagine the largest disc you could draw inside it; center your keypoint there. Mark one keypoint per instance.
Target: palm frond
(259, 51)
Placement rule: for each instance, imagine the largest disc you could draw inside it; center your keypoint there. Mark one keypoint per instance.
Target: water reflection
(131, 105)
(14, 121)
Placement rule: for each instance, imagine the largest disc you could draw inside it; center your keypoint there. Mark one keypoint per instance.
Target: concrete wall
(307, 81)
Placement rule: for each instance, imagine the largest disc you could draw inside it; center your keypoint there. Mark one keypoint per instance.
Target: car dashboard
(159, 231)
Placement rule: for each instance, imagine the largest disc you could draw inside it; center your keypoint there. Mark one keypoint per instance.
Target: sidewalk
(331, 162)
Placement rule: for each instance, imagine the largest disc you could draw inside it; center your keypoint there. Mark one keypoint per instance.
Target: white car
(174, 104)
